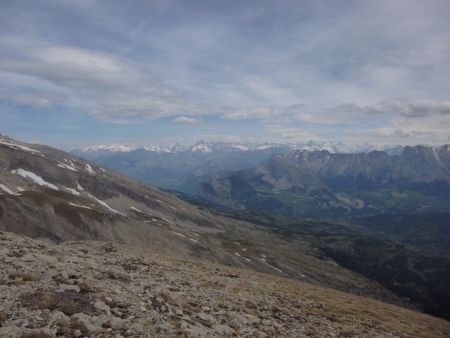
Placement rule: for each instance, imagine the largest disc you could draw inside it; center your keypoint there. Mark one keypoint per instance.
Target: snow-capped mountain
(224, 147)
(178, 167)
(114, 148)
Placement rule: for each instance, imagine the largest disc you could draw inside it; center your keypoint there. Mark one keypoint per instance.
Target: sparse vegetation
(24, 277)
(68, 301)
(36, 334)
(187, 296)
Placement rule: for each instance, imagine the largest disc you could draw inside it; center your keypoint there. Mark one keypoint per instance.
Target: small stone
(99, 305)
(205, 318)
(77, 333)
(251, 319)
(58, 316)
(266, 322)
(67, 287)
(49, 275)
(223, 330)
(108, 247)
(117, 323)
(87, 323)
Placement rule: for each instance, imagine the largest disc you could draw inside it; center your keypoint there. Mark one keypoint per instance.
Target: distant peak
(111, 147)
(202, 147)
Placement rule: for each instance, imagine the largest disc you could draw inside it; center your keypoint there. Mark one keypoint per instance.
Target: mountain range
(315, 216)
(180, 168)
(208, 147)
(47, 193)
(321, 184)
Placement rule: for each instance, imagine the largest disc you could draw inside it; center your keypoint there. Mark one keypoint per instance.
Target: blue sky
(77, 73)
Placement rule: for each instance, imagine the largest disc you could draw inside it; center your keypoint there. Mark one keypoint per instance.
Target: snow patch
(201, 147)
(123, 148)
(89, 169)
(66, 166)
(273, 267)
(242, 147)
(136, 209)
(106, 205)
(263, 146)
(170, 222)
(237, 254)
(280, 271)
(80, 206)
(72, 191)
(177, 233)
(35, 178)
(6, 189)
(17, 146)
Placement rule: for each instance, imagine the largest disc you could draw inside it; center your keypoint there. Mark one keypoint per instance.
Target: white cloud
(293, 133)
(241, 62)
(186, 121)
(252, 113)
(262, 113)
(101, 84)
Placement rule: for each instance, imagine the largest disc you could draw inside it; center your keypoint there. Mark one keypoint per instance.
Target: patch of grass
(117, 275)
(3, 317)
(86, 286)
(25, 277)
(128, 267)
(36, 334)
(67, 328)
(69, 302)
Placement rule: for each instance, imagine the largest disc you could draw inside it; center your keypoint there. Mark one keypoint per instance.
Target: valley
(369, 212)
(57, 197)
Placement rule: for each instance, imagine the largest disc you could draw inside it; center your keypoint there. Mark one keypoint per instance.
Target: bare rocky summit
(97, 289)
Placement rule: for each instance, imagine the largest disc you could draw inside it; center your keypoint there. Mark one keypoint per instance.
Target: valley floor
(88, 288)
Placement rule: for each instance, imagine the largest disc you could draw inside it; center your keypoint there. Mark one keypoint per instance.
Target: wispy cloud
(187, 121)
(339, 67)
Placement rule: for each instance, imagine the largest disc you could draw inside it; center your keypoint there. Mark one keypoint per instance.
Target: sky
(78, 73)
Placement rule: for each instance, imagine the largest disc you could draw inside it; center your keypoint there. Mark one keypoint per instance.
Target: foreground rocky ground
(95, 289)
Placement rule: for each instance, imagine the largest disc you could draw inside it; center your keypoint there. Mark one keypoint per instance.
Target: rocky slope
(87, 288)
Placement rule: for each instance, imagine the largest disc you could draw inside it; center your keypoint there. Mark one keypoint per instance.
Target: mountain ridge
(47, 193)
(52, 194)
(344, 179)
(178, 167)
(206, 146)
